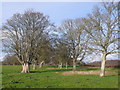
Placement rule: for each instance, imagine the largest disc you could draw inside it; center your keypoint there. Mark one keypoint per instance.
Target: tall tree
(24, 32)
(102, 26)
(41, 51)
(76, 38)
(62, 54)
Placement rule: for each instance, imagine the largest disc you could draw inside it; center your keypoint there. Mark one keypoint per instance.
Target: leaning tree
(102, 26)
(24, 33)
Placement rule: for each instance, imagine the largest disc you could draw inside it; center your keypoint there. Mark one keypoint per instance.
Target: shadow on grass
(63, 70)
(55, 70)
(109, 75)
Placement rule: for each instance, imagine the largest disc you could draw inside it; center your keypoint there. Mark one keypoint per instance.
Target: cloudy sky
(58, 11)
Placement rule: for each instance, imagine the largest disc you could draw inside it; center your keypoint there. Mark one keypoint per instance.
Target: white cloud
(93, 57)
(112, 57)
(1, 58)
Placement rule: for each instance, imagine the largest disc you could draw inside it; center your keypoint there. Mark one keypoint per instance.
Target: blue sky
(58, 11)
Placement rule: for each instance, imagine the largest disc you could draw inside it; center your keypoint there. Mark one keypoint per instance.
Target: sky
(58, 11)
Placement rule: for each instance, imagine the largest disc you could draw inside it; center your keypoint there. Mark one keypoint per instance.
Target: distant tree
(24, 33)
(10, 60)
(102, 26)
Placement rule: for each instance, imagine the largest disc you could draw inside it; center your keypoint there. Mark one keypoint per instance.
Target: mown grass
(52, 78)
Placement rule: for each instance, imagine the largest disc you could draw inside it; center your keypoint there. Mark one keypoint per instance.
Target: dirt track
(86, 73)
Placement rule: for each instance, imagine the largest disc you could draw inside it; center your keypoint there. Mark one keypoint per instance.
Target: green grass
(46, 78)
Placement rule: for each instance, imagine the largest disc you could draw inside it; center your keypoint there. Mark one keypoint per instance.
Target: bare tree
(74, 33)
(62, 53)
(24, 32)
(44, 52)
(102, 26)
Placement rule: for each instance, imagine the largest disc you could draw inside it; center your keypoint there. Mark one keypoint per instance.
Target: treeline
(109, 63)
(12, 60)
(33, 39)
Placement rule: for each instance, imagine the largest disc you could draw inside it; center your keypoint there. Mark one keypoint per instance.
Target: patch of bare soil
(56, 72)
(51, 68)
(93, 69)
(85, 73)
(108, 69)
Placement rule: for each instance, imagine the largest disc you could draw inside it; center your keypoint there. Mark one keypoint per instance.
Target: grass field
(53, 78)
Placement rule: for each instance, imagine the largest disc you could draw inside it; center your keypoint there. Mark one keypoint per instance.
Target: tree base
(25, 68)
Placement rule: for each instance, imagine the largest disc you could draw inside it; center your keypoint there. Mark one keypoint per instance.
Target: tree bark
(25, 68)
(66, 65)
(60, 65)
(41, 63)
(74, 65)
(102, 73)
(34, 66)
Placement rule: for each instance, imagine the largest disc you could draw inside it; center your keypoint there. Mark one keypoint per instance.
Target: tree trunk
(60, 65)
(25, 68)
(74, 65)
(102, 73)
(40, 65)
(34, 66)
(66, 65)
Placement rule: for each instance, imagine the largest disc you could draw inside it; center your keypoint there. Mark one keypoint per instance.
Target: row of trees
(32, 38)
(10, 60)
